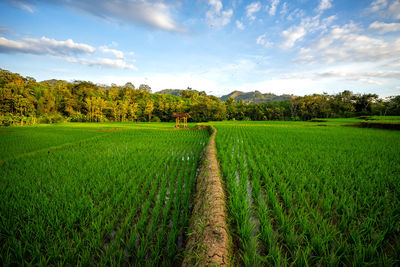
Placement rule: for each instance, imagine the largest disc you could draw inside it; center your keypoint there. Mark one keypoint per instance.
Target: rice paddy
(96, 197)
(312, 195)
(122, 193)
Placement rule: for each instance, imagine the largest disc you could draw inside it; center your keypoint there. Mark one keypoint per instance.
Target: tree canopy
(24, 100)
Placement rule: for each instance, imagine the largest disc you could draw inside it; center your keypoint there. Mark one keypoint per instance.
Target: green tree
(148, 109)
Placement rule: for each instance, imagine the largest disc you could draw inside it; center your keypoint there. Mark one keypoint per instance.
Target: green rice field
(306, 195)
(112, 194)
(96, 194)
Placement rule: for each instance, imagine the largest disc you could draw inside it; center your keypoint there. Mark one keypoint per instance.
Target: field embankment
(209, 242)
(380, 125)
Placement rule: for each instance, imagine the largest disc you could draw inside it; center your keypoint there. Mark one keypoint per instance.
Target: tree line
(23, 100)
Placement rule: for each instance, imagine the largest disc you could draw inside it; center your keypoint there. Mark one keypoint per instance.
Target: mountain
(170, 92)
(53, 82)
(256, 97)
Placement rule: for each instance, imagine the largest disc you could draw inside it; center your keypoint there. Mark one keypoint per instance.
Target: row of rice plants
(312, 195)
(122, 197)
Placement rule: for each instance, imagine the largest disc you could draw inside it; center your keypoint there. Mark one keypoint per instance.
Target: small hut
(181, 119)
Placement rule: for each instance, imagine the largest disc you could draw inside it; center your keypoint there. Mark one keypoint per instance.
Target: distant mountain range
(255, 97)
(170, 92)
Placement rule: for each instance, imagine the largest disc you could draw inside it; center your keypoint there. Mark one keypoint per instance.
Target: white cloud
(239, 25)
(65, 50)
(394, 9)
(217, 17)
(382, 27)
(385, 8)
(152, 13)
(236, 71)
(23, 6)
(378, 5)
(44, 46)
(251, 9)
(307, 25)
(279, 86)
(323, 5)
(393, 64)
(274, 5)
(346, 44)
(117, 53)
(284, 9)
(348, 74)
(262, 40)
(295, 14)
(292, 35)
(101, 62)
(111, 63)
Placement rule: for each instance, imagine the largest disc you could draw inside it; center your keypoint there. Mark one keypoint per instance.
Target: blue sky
(294, 47)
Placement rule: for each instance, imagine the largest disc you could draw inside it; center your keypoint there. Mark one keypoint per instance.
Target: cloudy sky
(280, 46)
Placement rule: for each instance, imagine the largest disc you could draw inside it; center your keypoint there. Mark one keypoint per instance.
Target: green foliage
(52, 118)
(155, 119)
(11, 120)
(305, 195)
(78, 117)
(84, 101)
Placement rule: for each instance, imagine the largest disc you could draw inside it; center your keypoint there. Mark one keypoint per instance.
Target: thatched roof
(180, 115)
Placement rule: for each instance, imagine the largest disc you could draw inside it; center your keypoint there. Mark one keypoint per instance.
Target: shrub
(79, 117)
(155, 119)
(52, 118)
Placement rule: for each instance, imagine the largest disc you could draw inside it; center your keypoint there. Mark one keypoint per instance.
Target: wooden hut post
(181, 119)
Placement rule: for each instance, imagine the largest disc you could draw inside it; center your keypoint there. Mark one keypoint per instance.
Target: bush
(78, 117)
(295, 118)
(7, 120)
(246, 119)
(52, 118)
(155, 119)
(10, 120)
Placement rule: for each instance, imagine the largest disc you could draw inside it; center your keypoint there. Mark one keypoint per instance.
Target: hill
(256, 97)
(170, 92)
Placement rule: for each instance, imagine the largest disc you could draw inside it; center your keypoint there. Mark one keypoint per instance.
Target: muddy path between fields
(209, 243)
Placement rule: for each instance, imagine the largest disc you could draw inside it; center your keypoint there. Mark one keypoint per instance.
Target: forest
(23, 100)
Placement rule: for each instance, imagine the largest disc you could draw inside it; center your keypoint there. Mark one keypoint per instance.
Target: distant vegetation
(26, 101)
(255, 97)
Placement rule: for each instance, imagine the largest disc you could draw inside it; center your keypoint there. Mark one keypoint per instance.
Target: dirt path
(208, 240)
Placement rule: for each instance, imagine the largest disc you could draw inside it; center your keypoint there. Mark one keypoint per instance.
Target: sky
(273, 46)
